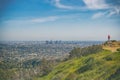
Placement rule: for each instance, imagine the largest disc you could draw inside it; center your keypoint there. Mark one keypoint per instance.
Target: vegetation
(78, 52)
(118, 49)
(102, 66)
(25, 70)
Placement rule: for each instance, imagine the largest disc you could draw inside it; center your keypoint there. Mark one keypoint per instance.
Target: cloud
(95, 4)
(98, 15)
(114, 11)
(34, 20)
(59, 5)
(42, 20)
(108, 13)
(106, 7)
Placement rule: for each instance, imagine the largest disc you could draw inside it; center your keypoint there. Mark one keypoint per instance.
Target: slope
(101, 66)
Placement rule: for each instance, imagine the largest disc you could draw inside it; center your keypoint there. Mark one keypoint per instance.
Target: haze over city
(59, 19)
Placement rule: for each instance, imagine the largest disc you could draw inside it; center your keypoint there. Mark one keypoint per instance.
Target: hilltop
(103, 65)
(113, 45)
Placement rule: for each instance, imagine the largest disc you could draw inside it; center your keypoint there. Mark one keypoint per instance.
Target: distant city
(25, 50)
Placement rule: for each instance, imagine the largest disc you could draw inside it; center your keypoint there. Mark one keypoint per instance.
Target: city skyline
(59, 19)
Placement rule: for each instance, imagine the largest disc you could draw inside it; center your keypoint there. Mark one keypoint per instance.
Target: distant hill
(104, 65)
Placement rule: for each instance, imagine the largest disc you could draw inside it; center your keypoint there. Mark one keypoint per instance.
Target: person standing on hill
(108, 37)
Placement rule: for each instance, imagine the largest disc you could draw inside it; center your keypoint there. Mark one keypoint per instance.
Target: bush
(108, 58)
(118, 49)
(84, 68)
(115, 76)
(89, 60)
(78, 52)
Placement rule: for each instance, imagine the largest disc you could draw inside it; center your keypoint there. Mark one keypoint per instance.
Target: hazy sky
(59, 19)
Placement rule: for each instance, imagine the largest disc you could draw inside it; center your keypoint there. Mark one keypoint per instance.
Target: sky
(28, 20)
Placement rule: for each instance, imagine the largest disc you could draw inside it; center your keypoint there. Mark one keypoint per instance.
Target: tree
(78, 52)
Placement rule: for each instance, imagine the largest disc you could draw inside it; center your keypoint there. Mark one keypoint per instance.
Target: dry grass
(113, 46)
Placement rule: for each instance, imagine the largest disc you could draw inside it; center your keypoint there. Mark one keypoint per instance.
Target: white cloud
(59, 5)
(114, 11)
(109, 12)
(90, 4)
(95, 4)
(46, 19)
(34, 20)
(111, 9)
(98, 15)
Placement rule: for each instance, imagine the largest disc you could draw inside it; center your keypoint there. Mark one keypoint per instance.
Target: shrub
(84, 68)
(77, 52)
(118, 49)
(115, 76)
(89, 60)
(108, 58)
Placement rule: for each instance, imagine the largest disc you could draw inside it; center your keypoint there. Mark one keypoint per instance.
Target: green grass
(101, 66)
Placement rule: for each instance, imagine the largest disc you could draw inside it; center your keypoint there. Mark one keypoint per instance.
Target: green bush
(118, 49)
(115, 76)
(108, 58)
(78, 52)
(89, 60)
(84, 68)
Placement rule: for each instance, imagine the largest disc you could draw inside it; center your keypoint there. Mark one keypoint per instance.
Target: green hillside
(104, 65)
